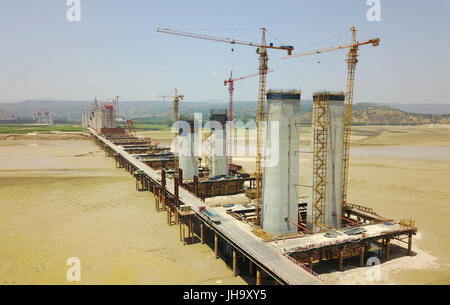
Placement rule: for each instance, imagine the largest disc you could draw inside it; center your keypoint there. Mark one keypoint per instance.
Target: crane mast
(230, 118)
(176, 99)
(352, 59)
(263, 59)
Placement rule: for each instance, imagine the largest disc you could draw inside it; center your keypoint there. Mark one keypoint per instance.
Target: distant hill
(422, 108)
(376, 114)
(155, 111)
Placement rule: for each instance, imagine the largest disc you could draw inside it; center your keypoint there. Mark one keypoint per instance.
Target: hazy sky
(115, 49)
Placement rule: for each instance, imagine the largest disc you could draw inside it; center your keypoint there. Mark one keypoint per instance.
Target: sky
(115, 49)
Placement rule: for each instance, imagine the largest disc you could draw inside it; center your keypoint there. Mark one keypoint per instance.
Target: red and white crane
(230, 83)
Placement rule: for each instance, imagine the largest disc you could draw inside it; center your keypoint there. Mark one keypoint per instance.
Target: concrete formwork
(187, 158)
(333, 145)
(219, 155)
(97, 120)
(280, 170)
(336, 118)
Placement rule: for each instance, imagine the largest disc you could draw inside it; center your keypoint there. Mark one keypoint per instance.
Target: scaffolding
(108, 116)
(320, 147)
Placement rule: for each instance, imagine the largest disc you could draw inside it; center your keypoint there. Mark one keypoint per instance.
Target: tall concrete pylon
(280, 169)
(186, 141)
(219, 151)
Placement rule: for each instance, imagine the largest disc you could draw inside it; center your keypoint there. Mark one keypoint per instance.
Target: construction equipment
(129, 126)
(319, 166)
(261, 50)
(351, 63)
(230, 83)
(176, 98)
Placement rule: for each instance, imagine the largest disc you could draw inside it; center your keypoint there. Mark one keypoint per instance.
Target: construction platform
(224, 186)
(264, 257)
(286, 259)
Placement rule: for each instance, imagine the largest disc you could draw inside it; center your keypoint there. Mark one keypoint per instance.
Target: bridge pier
(234, 263)
(388, 248)
(341, 260)
(167, 197)
(201, 233)
(361, 256)
(216, 245)
(409, 244)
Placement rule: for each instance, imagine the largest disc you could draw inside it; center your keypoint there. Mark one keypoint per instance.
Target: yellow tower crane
(176, 99)
(351, 64)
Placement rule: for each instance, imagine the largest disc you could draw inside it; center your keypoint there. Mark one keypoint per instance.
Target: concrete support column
(388, 248)
(180, 222)
(216, 245)
(190, 233)
(341, 260)
(184, 230)
(234, 263)
(177, 200)
(361, 256)
(156, 196)
(201, 233)
(169, 216)
(409, 244)
(250, 267)
(258, 276)
(311, 262)
(192, 229)
(279, 190)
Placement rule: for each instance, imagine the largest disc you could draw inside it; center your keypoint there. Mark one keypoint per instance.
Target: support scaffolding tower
(319, 174)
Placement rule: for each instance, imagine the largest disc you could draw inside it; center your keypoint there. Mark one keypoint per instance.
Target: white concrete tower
(219, 156)
(187, 159)
(280, 168)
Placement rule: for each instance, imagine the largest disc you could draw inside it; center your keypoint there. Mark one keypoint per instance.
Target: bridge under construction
(268, 225)
(289, 260)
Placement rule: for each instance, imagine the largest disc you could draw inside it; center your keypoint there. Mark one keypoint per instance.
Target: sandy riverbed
(63, 198)
(400, 172)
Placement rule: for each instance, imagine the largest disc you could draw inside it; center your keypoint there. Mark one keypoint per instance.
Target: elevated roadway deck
(263, 255)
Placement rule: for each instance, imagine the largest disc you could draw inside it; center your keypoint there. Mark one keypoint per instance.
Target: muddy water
(400, 181)
(66, 199)
(62, 199)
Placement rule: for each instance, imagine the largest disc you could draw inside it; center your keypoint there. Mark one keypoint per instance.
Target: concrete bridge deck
(263, 255)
